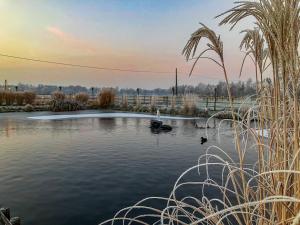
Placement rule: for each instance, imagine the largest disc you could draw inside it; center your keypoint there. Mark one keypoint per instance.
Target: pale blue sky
(135, 34)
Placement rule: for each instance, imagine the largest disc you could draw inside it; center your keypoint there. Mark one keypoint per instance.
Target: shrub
(93, 104)
(58, 96)
(20, 98)
(29, 97)
(60, 103)
(2, 97)
(106, 98)
(28, 108)
(82, 98)
(9, 98)
(61, 106)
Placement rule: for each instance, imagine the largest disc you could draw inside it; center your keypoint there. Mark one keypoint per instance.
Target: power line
(82, 66)
(95, 67)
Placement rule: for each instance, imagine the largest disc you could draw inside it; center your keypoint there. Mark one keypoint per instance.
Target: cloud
(70, 40)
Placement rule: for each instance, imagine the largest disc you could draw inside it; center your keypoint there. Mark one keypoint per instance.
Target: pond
(83, 170)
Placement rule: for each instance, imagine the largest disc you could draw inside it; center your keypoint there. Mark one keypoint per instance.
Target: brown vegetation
(106, 98)
(82, 98)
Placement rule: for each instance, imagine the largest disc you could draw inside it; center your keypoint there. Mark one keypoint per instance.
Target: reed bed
(82, 98)
(106, 98)
(10, 98)
(267, 192)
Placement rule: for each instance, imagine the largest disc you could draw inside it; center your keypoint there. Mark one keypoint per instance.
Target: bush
(20, 98)
(82, 98)
(2, 97)
(10, 98)
(60, 103)
(93, 104)
(58, 96)
(106, 98)
(28, 108)
(29, 97)
(61, 106)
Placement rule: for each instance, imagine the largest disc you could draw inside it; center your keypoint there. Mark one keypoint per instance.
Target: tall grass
(106, 98)
(124, 102)
(82, 98)
(189, 105)
(153, 103)
(29, 97)
(268, 192)
(19, 98)
(9, 97)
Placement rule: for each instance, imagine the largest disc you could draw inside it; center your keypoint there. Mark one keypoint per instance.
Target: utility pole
(176, 83)
(5, 85)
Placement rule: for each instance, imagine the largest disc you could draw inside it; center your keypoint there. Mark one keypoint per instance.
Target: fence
(201, 102)
(209, 102)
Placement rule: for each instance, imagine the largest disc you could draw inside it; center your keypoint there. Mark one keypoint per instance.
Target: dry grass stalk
(106, 98)
(125, 101)
(153, 103)
(82, 98)
(267, 193)
(29, 97)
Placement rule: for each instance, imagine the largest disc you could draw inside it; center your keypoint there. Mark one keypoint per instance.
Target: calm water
(81, 171)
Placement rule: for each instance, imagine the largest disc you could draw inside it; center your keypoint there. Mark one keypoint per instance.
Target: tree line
(238, 89)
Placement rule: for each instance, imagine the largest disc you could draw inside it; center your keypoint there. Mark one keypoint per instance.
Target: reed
(29, 97)
(58, 96)
(124, 101)
(268, 192)
(20, 98)
(189, 105)
(106, 98)
(10, 97)
(153, 103)
(82, 98)
(2, 97)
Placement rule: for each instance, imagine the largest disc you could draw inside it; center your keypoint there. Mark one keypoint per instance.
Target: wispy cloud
(70, 40)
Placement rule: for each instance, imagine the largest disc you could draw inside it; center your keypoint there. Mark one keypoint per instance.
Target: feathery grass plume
(58, 96)
(153, 103)
(82, 98)
(253, 43)
(268, 192)
(29, 97)
(106, 98)
(279, 22)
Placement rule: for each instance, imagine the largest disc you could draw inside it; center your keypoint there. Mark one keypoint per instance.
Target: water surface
(82, 171)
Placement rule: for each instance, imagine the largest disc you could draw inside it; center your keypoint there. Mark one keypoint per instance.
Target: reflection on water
(108, 124)
(81, 171)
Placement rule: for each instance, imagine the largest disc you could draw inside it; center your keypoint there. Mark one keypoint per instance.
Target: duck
(203, 140)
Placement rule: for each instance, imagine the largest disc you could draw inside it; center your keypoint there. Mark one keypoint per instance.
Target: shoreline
(175, 113)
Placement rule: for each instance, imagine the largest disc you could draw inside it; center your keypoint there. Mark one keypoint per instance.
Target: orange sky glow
(139, 36)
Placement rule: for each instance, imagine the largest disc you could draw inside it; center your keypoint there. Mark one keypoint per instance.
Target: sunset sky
(125, 34)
